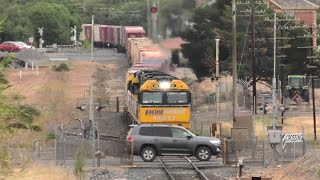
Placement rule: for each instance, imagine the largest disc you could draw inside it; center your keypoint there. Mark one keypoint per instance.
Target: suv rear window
(162, 131)
(146, 131)
(155, 131)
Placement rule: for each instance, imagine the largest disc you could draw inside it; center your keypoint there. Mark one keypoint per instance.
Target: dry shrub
(40, 172)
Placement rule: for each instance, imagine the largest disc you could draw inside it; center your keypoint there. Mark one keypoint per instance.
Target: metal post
(91, 94)
(253, 57)
(154, 23)
(234, 60)
(253, 134)
(225, 152)
(26, 66)
(118, 104)
(304, 148)
(55, 146)
(98, 151)
(218, 79)
(148, 18)
(37, 70)
(314, 110)
(313, 98)
(20, 74)
(201, 128)
(274, 73)
(264, 155)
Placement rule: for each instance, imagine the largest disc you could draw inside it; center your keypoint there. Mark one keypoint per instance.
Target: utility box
(274, 136)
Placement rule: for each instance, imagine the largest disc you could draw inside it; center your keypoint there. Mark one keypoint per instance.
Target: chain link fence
(64, 149)
(261, 152)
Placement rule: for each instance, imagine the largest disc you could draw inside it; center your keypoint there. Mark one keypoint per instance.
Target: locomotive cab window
(177, 97)
(134, 88)
(152, 97)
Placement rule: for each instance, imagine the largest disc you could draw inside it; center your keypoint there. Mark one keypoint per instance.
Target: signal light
(154, 9)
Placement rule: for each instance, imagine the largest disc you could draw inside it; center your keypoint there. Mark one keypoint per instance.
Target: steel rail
(195, 167)
(166, 169)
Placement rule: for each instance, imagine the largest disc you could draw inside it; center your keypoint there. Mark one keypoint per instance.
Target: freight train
(153, 95)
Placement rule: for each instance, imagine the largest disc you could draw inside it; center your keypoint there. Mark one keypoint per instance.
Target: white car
(20, 43)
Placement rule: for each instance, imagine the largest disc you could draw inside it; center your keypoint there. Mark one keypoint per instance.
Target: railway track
(165, 167)
(176, 162)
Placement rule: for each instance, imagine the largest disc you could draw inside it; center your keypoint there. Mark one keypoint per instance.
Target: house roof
(294, 4)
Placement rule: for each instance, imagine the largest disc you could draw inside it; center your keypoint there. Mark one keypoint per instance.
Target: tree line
(215, 21)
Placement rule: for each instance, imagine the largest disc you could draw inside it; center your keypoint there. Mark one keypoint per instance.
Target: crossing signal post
(41, 41)
(154, 15)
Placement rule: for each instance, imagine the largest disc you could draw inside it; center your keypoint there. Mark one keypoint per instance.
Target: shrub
(61, 67)
(79, 164)
(51, 136)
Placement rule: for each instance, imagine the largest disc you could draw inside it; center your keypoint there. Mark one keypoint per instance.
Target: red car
(11, 46)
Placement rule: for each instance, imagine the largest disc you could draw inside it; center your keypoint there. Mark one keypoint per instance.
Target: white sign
(31, 40)
(291, 138)
(297, 137)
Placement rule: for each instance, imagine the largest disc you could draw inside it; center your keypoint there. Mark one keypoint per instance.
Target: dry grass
(54, 93)
(42, 172)
(295, 124)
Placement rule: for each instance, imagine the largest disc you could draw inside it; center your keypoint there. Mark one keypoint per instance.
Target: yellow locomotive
(154, 97)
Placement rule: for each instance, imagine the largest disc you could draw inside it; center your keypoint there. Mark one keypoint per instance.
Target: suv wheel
(148, 154)
(203, 153)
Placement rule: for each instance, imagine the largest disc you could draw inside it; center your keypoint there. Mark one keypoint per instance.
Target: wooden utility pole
(253, 58)
(218, 78)
(154, 22)
(91, 117)
(234, 60)
(148, 19)
(312, 87)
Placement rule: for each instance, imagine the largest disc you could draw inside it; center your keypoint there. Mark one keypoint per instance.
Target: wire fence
(111, 150)
(261, 152)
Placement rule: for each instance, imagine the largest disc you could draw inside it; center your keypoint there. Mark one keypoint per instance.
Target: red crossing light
(154, 9)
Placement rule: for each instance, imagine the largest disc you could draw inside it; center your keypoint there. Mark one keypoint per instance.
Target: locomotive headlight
(164, 85)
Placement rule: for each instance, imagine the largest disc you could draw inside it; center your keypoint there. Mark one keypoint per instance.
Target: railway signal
(154, 9)
(41, 41)
(74, 36)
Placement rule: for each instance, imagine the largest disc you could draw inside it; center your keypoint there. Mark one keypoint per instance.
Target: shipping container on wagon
(132, 32)
(109, 34)
(155, 56)
(86, 28)
(151, 53)
(134, 45)
(116, 36)
(106, 33)
(103, 33)
(96, 34)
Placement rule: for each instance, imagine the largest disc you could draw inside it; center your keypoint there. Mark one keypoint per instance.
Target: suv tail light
(130, 138)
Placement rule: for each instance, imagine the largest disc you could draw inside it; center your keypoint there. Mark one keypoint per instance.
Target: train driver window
(177, 97)
(152, 97)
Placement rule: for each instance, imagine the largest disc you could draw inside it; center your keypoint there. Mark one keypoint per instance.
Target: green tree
(13, 114)
(17, 26)
(55, 19)
(215, 22)
(211, 22)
